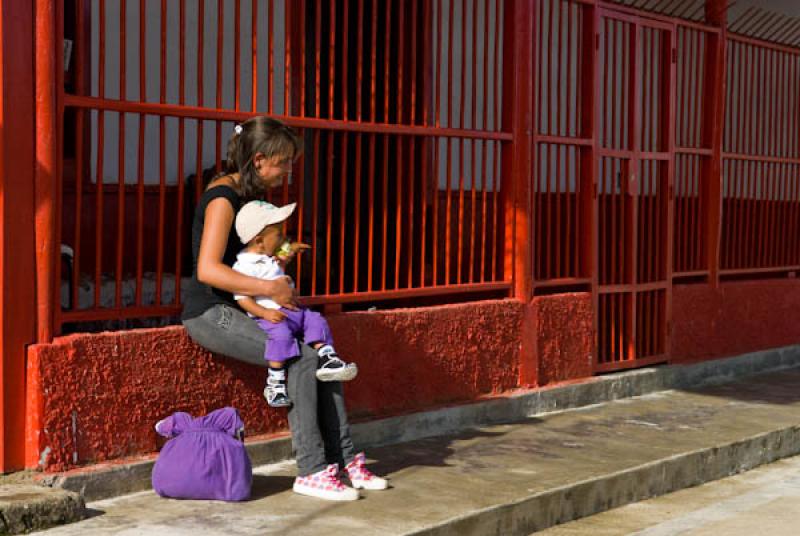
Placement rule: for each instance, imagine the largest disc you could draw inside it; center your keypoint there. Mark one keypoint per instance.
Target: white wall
(152, 54)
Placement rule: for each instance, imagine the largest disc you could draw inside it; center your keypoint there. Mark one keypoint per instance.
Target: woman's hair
(264, 135)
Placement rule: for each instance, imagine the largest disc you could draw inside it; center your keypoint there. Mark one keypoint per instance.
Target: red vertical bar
(342, 205)
(198, 184)
(332, 61)
(371, 204)
(571, 100)
(318, 62)
(496, 185)
(751, 221)
(401, 30)
(181, 137)
(398, 209)
(460, 219)
(220, 49)
(385, 217)
(271, 53)
(315, 203)
(287, 58)
(557, 198)
(101, 89)
(497, 98)
(331, 140)
(449, 103)
(357, 200)
(738, 111)
(253, 56)
(162, 147)
(412, 173)
(80, 87)
(609, 68)
(695, 123)
(744, 208)
(345, 61)
(79, 173)
(300, 182)
(387, 49)
(448, 202)
(550, 98)
(302, 24)
(413, 106)
(121, 156)
(237, 55)
(360, 69)
(429, 69)
(373, 75)
(424, 189)
(741, 168)
(435, 227)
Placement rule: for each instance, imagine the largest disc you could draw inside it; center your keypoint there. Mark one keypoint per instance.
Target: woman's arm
(212, 271)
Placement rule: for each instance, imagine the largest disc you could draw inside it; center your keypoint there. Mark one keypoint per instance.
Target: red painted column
(517, 161)
(714, 125)
(17, 291)
(518, 113)
(47, 154)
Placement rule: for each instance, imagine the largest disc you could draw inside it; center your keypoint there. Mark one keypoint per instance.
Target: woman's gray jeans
(317, 417)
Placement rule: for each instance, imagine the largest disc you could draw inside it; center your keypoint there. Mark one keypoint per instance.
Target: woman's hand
(282, 292)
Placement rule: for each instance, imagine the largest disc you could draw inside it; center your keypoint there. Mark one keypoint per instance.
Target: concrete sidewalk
(511, 478)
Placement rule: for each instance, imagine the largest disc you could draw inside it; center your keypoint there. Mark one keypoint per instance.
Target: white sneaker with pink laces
(361, 477)
(325, 484)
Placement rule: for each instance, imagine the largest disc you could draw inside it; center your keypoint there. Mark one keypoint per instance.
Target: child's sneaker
(325, 485)
(332, 368)
(275, 393)
(361, 477)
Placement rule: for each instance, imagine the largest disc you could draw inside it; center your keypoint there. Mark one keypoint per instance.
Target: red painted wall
(95, 397)
(563, 336)
(736, 318)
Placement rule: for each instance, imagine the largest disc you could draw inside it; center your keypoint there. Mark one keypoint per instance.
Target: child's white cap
(255, 215)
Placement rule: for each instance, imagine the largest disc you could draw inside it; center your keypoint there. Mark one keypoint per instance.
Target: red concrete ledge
(94, 397)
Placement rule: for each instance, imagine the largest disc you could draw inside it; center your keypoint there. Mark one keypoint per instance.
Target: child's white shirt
(262, 267)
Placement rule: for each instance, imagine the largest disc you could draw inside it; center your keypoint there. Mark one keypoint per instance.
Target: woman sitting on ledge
(260, 154)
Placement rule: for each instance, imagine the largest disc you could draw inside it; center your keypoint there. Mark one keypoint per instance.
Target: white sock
(325, 350)
(278, 374)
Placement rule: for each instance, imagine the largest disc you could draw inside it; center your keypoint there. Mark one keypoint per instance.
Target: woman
(260, 155)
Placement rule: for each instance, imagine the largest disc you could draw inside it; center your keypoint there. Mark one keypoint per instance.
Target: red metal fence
(643, 171)
(399, 105)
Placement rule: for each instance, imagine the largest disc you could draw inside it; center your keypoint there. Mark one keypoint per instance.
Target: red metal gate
(634, 169)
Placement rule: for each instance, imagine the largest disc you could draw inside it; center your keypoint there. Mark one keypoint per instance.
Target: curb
(26, 508)
(105, 482)
(588, 497)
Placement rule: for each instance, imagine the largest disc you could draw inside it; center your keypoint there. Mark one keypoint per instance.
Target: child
(258, 225)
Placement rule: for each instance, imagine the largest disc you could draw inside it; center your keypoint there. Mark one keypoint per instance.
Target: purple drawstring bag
(204, 458)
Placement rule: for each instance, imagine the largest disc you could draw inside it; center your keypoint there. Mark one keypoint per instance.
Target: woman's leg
(304, 419)
(334, 424)
(228, 331)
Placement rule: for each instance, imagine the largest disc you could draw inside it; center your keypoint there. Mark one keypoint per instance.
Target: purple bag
(203, 458)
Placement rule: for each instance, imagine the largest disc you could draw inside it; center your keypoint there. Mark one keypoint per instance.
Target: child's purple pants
(303, 324)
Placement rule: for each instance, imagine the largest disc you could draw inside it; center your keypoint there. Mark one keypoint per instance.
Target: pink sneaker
(361, 477)
(325, 484)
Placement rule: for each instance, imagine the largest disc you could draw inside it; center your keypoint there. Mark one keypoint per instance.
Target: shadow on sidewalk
(782, 388)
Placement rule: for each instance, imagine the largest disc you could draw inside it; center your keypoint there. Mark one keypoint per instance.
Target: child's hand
(273, 315)
(286, 255)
